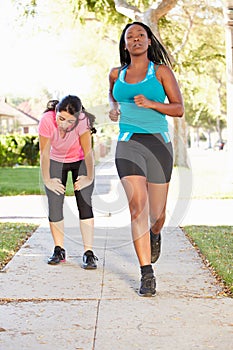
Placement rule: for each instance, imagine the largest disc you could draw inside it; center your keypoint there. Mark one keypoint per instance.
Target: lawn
(12, 237)
(23, 180)
(215, 245)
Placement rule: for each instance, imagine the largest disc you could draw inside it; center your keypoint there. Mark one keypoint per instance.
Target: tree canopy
(192, 31)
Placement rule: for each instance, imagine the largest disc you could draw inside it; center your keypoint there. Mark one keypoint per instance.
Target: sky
(32, 60)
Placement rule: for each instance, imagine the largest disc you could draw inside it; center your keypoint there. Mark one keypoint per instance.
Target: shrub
(19, 149)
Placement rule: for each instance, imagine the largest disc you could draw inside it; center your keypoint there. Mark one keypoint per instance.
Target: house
(13, 120)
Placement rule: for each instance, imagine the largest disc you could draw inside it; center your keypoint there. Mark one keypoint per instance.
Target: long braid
(91, 119)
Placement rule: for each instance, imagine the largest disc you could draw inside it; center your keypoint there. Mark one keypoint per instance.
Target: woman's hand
(114, 114)
(55, 185)
(82, 182)
(142, 101)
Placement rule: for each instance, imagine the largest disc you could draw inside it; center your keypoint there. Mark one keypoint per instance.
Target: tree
(203, 74)
(179, 26)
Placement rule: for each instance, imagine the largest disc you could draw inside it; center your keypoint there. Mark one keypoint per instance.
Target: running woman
(142, 92)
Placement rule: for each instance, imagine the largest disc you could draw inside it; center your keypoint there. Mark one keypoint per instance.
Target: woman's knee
(157, 218)
(138, 208)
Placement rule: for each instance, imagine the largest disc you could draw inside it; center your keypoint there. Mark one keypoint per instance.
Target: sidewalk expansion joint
(67, 300)
(42, 300)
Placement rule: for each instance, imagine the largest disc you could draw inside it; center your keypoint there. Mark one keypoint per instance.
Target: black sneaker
(89, 260)
(148, 285)
(58, 256)
(155, 246)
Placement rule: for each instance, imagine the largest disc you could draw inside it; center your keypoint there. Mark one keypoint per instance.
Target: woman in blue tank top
(142, 92)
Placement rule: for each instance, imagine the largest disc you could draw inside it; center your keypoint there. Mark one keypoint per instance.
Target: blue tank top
(134, 119)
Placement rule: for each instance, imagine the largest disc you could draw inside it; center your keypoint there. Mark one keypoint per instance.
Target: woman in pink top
(66, 145)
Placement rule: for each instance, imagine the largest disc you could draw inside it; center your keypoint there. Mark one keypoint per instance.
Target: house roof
(22, 117)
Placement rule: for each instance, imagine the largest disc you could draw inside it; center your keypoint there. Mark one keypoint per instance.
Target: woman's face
(65, 120)
(136, 40)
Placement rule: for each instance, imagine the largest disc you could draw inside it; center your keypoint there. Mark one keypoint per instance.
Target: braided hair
(156, 52)
(91, 119)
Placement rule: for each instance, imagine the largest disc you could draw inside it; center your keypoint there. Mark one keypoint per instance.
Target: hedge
(16, 149)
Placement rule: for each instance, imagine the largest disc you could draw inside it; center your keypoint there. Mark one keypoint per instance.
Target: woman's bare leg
(136, 191)
(87, 231)
(57, 230)
(157, 203)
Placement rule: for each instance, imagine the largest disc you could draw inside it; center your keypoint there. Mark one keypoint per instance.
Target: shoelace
(148, 280)
(91, 258)
(150, 283)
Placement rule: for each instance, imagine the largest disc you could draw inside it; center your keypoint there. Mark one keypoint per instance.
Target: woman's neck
(62, 133)
(139, 62)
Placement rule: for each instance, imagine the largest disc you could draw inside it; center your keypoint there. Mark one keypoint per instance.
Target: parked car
(219, 145)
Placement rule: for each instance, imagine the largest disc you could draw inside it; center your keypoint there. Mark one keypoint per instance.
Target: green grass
(24, 180)
(215, 244)
(20, 181)
(12, 237)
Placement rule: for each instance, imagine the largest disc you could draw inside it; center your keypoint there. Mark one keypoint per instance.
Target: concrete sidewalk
(65, 307)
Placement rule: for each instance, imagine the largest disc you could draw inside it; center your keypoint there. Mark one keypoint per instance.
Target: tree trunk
(198, 137)
(219, 129)
(180, 142)
(209, 139)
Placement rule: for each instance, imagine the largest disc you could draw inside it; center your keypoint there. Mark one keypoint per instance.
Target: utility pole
(229, 67)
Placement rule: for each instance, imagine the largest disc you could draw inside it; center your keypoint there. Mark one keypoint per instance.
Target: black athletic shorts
(149, 155)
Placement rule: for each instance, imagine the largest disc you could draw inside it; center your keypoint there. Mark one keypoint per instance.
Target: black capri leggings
(149, 155)
(83, 197)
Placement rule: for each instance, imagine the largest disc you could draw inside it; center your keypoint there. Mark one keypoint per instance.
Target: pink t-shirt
(67, 149)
